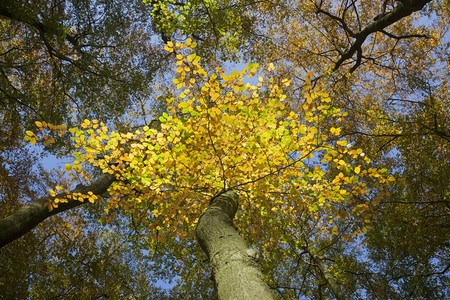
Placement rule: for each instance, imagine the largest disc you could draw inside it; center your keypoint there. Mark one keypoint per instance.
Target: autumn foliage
(331, 137)
(229, 132)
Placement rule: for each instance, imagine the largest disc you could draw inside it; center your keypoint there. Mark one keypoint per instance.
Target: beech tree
(335, 142)
(227, 137)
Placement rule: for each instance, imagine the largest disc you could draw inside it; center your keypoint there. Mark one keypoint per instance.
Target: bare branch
(408, 36)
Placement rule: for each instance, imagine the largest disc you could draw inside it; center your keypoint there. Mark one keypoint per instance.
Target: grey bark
(335, 287)
(28, 217)
(235, 267)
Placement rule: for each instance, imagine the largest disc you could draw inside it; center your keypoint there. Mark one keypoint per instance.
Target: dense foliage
(334, 136)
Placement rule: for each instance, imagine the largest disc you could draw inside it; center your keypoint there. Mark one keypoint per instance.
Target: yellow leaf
(342, 143)
(335, 131)
(30, 133)
(52, 193)
(357, 170)
(38, 124)
(286, 82)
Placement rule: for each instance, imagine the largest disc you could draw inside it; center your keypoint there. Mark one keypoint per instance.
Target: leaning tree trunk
(28, 217)
(235, 267)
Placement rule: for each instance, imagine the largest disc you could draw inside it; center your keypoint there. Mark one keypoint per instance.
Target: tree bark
(28, 217)
(327, 276)
(235, 267)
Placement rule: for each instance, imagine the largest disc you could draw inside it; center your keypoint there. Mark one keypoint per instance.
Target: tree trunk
(335, 287)
(235, 267)
(28, 217)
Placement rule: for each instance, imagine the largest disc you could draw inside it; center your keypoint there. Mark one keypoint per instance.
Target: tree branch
(28, 217)
(403, 9)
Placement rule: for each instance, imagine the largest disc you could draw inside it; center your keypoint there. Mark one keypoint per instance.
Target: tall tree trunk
(235, 267)
(28, 217)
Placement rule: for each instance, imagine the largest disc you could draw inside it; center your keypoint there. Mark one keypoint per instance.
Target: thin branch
(408, 36)
(338, 20)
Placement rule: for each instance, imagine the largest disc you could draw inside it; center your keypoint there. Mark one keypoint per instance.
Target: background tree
(63, 60)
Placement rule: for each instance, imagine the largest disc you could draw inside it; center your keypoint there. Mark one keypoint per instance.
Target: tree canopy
(318, 169)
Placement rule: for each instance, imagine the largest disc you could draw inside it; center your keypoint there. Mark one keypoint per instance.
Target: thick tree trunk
(28, 217)
(236, 270)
